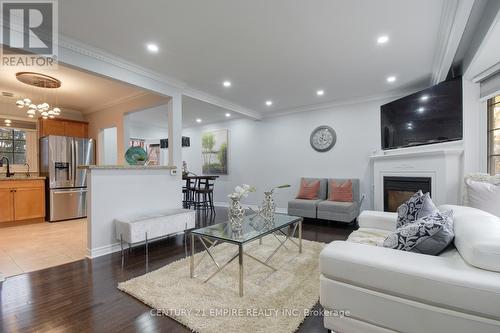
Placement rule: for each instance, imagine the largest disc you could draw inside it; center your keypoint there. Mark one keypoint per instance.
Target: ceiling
(280, 50)
(79, 91)
(192, 109)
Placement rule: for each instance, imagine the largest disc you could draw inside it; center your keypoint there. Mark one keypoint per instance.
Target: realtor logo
(29, 33)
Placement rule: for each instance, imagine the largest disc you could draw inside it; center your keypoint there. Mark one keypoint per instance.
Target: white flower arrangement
(241, 192)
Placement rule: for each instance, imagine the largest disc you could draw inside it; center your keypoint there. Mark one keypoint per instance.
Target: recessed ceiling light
(391, 79)
(269, 103)
(228, 115)
(226, 84)
(320, 92)
(153, 48)
(424, 97)
(198, 120)
(382, 39)
(421, 109)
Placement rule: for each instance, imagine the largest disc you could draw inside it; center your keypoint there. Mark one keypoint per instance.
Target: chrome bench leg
(121, 245)
(147, 255)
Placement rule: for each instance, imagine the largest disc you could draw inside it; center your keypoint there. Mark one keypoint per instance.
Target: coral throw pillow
(308, 191)
(341, 192)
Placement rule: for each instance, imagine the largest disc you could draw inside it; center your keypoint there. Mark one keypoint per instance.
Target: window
(494, 135)
(13, 145)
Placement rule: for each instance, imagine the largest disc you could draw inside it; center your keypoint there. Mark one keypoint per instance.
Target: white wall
(475, 122)
(115, 194)
(108, 139)
(276, 150)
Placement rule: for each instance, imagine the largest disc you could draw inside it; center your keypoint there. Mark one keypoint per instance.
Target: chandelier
(43, 109)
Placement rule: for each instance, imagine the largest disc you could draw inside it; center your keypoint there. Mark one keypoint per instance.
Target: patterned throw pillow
(419, 205)
(428, 235)
(309, 191)
(340, 192)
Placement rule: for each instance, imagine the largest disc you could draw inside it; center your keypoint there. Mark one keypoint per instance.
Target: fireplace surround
(443, 165)
(399, 189)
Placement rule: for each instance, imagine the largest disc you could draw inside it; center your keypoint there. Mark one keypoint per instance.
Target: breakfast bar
(121, 192)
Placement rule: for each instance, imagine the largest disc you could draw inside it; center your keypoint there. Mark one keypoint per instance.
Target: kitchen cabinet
(22, 199)
(63, 127)
(6, 205)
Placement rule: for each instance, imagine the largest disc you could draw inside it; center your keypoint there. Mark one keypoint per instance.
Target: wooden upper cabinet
(63, 127)
(51, 127)
(78, 129)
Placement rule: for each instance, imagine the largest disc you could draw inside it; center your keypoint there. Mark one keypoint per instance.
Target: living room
(279, 180)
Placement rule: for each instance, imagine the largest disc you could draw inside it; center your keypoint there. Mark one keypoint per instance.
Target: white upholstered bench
(145, 228)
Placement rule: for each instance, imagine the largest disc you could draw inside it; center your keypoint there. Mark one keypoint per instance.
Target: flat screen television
(429, 116)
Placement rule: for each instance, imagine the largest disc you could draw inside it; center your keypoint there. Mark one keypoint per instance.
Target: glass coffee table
(254, 228)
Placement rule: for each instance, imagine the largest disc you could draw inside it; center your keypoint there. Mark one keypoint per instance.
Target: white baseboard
(103, 250)
(226, 204)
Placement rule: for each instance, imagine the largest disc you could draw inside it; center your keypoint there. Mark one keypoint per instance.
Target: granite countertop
(128, 167)
(21, 176)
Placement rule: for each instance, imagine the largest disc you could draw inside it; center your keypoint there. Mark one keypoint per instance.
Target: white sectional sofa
(386, 290)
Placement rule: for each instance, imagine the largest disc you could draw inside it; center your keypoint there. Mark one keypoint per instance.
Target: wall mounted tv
(430, 116)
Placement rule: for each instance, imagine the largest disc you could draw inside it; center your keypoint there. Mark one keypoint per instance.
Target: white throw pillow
(477, 236)
(484, 196)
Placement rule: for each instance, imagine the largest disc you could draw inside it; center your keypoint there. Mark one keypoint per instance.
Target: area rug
(274, 301)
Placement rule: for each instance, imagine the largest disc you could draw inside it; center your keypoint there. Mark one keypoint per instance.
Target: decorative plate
(323, 138)
(136, 156)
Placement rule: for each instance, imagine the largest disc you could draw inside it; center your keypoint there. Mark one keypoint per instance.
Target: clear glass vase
(235, 215)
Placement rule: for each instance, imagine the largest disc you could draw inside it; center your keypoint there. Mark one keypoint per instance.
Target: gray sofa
(324, 209)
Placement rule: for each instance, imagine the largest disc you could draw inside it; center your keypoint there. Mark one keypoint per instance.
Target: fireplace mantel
(443, 165)
(416, 153)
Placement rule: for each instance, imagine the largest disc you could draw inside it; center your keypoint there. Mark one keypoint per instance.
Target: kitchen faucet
(27, 172)
(8, 165)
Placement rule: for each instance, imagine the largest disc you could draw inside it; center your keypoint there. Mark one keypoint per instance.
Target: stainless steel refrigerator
(66, 184)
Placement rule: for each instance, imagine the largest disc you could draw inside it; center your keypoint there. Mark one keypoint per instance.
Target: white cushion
(378, 220)
(369, 236)
(445, 280)
(484, 196)
(376, 312)
(156, 225)
(477, 236)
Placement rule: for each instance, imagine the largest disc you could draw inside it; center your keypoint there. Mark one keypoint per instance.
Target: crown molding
(193, 93)
(486, 73)
(343, 102)
(95, 53)
(117, 101)
(454, 17)
(486, 34)
(92, 52)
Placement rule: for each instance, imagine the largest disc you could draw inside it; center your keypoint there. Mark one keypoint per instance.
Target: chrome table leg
(222, 267)
(300, 235)
(191, 260)
(260, 261)
(208, 251)
(121, 245)
(240, 255)
(147, 254)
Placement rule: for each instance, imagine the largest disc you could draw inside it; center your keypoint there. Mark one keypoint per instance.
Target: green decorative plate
(136, 156)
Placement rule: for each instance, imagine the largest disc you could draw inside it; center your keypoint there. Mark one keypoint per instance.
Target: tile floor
(32, 247)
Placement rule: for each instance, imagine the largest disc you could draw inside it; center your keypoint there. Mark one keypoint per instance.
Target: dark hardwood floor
(82, 296)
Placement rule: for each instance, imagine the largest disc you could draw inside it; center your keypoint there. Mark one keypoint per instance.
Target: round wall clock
(323, 138)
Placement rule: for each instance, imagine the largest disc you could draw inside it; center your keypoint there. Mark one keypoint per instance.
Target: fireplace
(399, 189)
